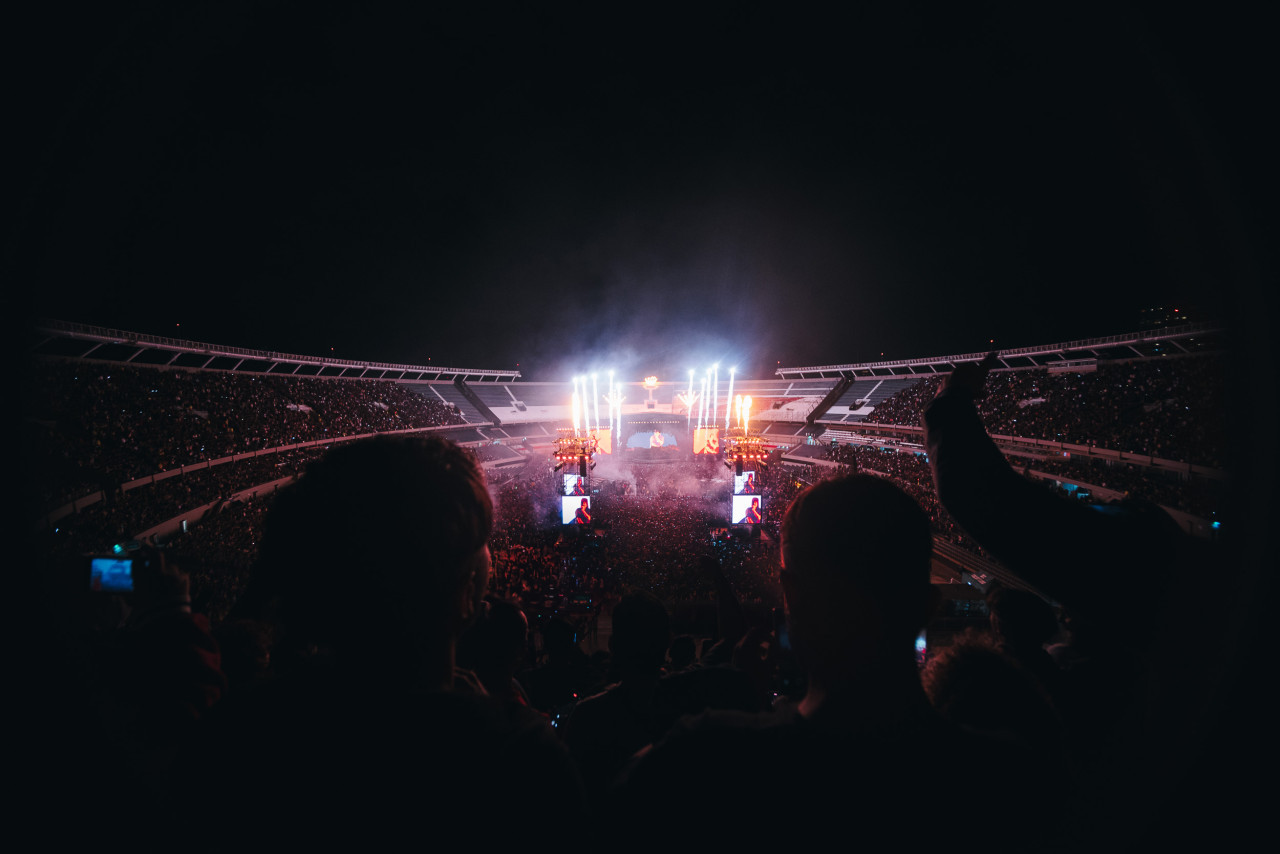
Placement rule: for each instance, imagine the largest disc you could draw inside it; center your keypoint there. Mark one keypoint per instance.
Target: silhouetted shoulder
(766, 777)
(314, 760)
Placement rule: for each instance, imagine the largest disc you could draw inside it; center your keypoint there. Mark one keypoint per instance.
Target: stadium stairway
(829, 401)
(475, 400)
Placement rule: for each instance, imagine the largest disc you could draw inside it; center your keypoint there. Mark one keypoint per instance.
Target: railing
(52, 517)
(1061, 448)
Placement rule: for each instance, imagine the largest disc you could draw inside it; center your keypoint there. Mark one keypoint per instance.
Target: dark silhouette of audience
(370, 669)
(493, 649)
(1138, 684)
(850, 757)
(373, 565)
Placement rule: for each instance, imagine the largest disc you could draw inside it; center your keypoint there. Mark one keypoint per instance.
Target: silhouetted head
(380, 542)
(1021, 619)
(972, 683)
(558, 637)
(683, 652)
(855, 554)
(496, 642)
(641, 634)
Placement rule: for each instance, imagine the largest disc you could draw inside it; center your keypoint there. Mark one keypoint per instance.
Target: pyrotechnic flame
(728, 398)
(595, 399)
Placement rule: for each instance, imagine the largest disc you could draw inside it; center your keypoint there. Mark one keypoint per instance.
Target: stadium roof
(1190, 338)
(76, 340)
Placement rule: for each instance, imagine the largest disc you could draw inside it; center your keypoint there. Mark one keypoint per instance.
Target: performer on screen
(749, 488)
(753, 513)
(582, 516)
(579, 488)
(657, 439)
(710, 441)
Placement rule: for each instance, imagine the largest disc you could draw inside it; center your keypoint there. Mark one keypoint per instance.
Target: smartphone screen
(111, 574)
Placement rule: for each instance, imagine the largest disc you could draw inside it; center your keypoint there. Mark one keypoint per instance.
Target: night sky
(569, 187)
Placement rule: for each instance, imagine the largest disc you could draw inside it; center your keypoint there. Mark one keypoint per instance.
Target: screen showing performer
(604, 440)
(575, 484)
(706, 440)
(655, 439)
(745, 484)
(747, 510)
(575, 510)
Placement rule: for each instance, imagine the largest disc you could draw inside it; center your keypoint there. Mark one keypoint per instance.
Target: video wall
(706, 440)
(575, 510)
(746, 510)
(654, 432)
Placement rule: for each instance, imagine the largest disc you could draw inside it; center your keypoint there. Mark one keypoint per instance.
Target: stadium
(140, 445)
(678, 428)
(193, 469)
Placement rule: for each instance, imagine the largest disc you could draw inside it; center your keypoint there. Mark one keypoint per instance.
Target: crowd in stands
(220, 552)
(95, 426)
(1166, 408)
(120, 516)
(1199, 496)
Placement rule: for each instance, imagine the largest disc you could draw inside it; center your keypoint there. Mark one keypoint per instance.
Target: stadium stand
(863, 397)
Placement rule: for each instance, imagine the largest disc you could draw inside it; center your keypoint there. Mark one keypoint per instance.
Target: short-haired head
(860, 533)
(641, 633)
(1021, 618)
(379, 534)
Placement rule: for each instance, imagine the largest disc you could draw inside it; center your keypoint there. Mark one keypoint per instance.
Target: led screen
(575, 510)
(746, 509)
(112, 575)
(706, 440)
(651, 439)
(574, 484)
